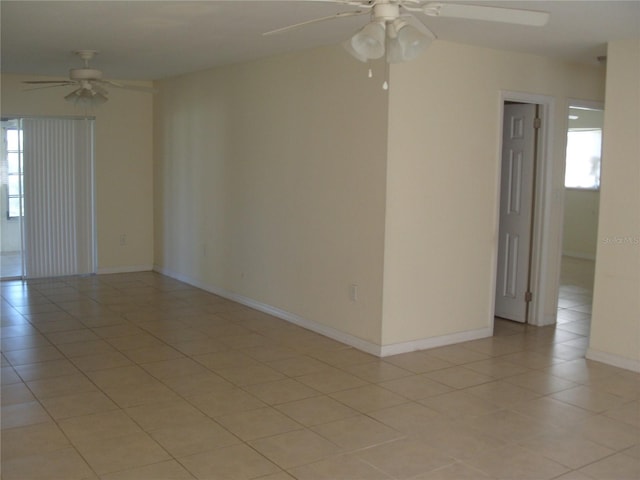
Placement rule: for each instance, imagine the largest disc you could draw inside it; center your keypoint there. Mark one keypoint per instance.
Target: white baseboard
(127, 269)
(432, 342)
(580, 255)
(614, 360)
(348, 339)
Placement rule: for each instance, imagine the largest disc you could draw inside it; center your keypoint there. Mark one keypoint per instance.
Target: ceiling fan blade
(126, 86)
(42, 87)
(59, 82)
(481, 12)
(316, 20)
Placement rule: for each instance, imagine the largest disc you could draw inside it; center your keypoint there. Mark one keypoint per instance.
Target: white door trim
(541, 277)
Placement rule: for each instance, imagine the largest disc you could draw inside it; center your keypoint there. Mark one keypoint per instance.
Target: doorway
(580, 219)
(47, 197)
(540, 269)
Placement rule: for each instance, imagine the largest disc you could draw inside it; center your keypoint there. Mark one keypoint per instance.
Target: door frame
(542, 245)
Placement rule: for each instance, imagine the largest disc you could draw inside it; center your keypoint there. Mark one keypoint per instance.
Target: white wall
(270, 186)
(615, 324)
(124, 172)
(443, 188)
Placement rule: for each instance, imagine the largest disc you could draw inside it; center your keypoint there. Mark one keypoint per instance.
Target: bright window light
(584, 147)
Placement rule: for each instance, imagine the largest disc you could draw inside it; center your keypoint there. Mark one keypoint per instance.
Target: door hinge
(537, 122)
(528, 296)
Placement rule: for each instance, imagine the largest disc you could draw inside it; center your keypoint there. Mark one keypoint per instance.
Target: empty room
(386, 239)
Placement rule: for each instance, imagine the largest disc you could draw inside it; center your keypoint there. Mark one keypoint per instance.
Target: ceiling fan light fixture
(369, 42)
(412, 42)
(349, 48)
(85, 96)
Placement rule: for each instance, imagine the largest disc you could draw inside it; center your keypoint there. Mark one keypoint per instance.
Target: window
(15, 185)
(584, 148)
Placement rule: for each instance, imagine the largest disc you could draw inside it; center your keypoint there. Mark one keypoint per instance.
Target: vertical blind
(58, 197)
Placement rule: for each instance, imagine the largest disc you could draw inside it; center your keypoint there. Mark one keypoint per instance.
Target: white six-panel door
(516, 205)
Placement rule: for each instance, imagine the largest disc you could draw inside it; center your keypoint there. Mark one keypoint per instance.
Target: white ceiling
(146, 39)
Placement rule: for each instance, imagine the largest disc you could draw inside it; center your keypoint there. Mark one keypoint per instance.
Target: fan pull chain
(370, 74)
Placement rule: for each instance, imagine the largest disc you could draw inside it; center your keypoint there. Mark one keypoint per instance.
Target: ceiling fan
(91, 86)
(395, 29)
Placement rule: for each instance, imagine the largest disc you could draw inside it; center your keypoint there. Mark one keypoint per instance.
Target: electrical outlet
(353, 292)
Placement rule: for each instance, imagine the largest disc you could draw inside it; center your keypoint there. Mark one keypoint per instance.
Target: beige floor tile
(33, 355)
(505, 462)
(503, 393)
(457, 471)
(589, 399)
(553, 412)
(339, 467)
(316, 410)
(23, 414)
(199, 384)
(270, 353)
(295, 448)
(168, 470)
(199, 346)
(409, 418)
(98, 426)
(567, 448)
(153, 354)
(608, 432)
(250, 375)
(225, 401)
(540, 382)
(16, 393)
(134, 342)
(81, 349)
(368, 398)
(458, 354)
(377, 371)
(418, 362)
(59, 464)
(238, 462)
(225, 359)
(416, 387)
(64, 385)
(120, 453)
(281, 391)
(178, 367)
(24, 441)
(460, 403)
(405, 458)
(457, 439)
(616, 467)
(140, 394)
(298, 366)
(120, 377)
(77, 404)
(9, 376)
(44, 370)
(101, 361)
(496, 368)
(458, 377)
(508, 426)
(330, 380)
(628, 413)
(357, 432)
(154, 416)
(253, 424)
(192, 438)
(343, 358)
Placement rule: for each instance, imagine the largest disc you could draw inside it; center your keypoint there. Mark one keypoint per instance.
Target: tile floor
(139, 376)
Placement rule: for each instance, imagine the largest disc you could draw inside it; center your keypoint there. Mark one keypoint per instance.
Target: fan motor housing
(85, 74)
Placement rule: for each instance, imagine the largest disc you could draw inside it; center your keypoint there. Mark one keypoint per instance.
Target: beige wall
(442, 182)
(124, 180)
(580, 227)
(270, 186)
(615, 328)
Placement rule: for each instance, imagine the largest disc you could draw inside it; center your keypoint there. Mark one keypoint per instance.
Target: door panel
(516, 209)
